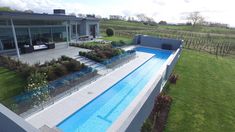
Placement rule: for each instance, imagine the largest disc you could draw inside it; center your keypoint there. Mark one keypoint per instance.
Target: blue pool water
(100, 113)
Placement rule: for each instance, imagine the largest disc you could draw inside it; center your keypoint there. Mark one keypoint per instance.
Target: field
(218, 41)
(203, 98)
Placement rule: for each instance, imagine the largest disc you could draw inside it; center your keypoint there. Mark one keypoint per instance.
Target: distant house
(19, 28)
(116, 17)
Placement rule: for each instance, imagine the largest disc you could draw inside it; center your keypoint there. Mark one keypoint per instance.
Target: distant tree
(81, 15)
(131, 19)
(90, 15)
(196, 18)
(145, 19)
(162, 23)
(5, 9)
(72, 14)
(189, 24)
(28, 11)
(98, 16)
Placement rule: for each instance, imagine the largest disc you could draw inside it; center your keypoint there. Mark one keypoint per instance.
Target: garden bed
(101, 54)
(90, 45)
(44, 81)
(158, 117)
(57, 89)
(102, 44)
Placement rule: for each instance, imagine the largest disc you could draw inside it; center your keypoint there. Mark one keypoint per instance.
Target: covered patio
(47, 55)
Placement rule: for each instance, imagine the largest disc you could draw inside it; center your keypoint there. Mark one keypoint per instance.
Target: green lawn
(204, 96)
(118, 38)
(10, 84)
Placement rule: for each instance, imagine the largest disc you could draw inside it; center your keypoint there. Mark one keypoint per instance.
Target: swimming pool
(101, 112)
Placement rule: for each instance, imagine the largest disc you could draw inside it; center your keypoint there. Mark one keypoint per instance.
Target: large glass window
(92, 30)
(46, 34)
(21, 22)
(59, 34)
(74, 29)
(6, 39)
(4, 22)
(41, 34)
(22, 35)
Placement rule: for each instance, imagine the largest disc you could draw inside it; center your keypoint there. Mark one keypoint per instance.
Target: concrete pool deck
(54, 114)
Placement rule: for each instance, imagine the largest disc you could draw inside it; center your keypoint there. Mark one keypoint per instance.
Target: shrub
(64, 58)
(102, 53)
(51, 75)
(38, 85)
(72, 65)
(162, 100)
(81, 53)
(118, 44)
(173, 78)
(114, 43)
(147, 126)
(23, 69)
(109, 32)
(122, 42)
(60, 70)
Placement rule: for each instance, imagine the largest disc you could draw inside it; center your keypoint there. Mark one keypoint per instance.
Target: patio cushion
(39, 47)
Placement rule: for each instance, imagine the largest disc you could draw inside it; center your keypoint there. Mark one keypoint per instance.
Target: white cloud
(170, 10)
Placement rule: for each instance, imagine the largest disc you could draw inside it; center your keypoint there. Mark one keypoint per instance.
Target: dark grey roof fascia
(38, 16)
(90, 18)
(10, 122)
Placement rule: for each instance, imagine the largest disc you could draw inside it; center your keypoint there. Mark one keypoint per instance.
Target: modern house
(18, 29)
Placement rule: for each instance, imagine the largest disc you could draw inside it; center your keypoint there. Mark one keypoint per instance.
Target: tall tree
(145, 19)
(196, 18)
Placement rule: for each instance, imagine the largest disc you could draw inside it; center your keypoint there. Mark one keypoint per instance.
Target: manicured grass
(118, 38)
(204, 96)
(11, 84)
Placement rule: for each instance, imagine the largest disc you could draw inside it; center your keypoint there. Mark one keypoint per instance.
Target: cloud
(171, 11)
(159, 2)
(187, 1)
(127, 13)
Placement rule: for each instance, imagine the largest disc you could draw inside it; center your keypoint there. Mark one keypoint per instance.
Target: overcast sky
(172, 11)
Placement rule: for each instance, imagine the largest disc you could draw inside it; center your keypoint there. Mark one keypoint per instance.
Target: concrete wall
(144, 112)
(146, 108)
(85, 27)
(155, 42)
(10, 122)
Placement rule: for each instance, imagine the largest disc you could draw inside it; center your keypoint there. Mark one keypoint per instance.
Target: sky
(172, 11)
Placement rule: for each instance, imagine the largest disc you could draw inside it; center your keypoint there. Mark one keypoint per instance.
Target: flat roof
(39, 16)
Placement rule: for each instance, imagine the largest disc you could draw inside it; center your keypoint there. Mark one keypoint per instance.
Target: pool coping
(56, 113)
